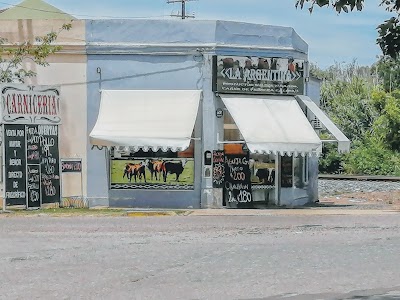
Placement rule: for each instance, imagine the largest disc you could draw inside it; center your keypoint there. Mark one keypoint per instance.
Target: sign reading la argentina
(259, 75)
(30, 104)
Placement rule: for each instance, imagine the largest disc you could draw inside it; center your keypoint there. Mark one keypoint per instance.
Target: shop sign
(258, 75)
(30, 104)
(237, 180)
(15, 164)
(71, 165)
(218, 164)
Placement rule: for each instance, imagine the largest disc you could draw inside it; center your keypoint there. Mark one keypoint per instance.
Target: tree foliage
(12, 56)
(388, 70)
(388, 32)
(368, 115)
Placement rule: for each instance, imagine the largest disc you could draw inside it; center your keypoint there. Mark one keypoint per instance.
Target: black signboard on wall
(33, 185)
(31, 115)
(218, 164)
(287, 171)
(71, 166)
(237, 180)
(258, 75)
(31, 165)
(15, 164)
(49, 163)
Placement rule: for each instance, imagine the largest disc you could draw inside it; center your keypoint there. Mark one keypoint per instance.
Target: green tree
(349, 105)
(367, 114)
(371, 157)
(388, 32)
(388, 70)
(386, 127)
(12, 56)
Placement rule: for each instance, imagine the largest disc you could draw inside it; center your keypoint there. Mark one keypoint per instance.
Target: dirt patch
(389, 199)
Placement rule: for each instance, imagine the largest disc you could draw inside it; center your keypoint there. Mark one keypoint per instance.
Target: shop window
(305, 169)
(262, 169)
(152, 169)
(298, 172)
(294, 171)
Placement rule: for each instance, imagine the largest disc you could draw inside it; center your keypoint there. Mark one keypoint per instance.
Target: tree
(386, 127)
(388, 70)
(388, 32)
(367, 114)
(12, 56)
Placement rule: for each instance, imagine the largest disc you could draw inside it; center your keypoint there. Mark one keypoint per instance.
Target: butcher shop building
(201, 114)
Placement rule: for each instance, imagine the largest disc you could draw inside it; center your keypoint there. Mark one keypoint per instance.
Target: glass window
(298, 172)
(262, 168)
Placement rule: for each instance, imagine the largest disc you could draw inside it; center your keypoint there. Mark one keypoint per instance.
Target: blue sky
(331, 37)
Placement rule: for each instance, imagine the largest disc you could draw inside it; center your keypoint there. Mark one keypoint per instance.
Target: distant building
(34, 10)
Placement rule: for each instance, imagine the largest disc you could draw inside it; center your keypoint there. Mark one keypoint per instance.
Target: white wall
(67, 69)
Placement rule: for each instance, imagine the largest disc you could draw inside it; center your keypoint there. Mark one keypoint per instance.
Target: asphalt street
(201, 257)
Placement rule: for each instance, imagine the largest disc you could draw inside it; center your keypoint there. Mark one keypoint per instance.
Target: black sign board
(15, 164)
(33, 185)
(49, 163)
(237, 180)
(71, 166)
(287, 171)
(258, 75)
(218, 164)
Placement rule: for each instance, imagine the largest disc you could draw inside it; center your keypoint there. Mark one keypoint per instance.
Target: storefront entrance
(261, 180)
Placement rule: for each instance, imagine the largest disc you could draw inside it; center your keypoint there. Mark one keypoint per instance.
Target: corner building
(201, 114)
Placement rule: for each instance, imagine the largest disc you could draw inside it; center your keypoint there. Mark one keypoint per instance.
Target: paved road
(201, 257)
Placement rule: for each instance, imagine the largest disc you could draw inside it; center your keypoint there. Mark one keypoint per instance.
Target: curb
(293, 212)
(157, 213)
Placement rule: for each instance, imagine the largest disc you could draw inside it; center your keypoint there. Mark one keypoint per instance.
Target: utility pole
(182, 14)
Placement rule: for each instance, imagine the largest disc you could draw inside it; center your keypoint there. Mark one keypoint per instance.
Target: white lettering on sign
(15, 162)
(16, 174)
(261, 75)
(15, 195)
(14, 144)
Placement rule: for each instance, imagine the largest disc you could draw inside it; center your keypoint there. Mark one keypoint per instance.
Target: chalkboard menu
(49, 163)
(287, 171)
(218, 168)
(15, 164)
(33, 185)
(31, 164)
(237, 180)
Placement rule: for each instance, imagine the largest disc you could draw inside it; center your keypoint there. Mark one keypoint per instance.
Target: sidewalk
(260, 212)
(291, 212)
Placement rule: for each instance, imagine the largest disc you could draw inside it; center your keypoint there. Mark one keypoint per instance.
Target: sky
(332, 38)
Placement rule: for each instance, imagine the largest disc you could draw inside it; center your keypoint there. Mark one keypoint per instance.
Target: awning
(146, 119)
(343, 141)
(271, 124)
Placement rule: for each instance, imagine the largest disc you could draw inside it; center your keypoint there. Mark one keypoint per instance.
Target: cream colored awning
(273, 124)
(146, 119)
(343, 141)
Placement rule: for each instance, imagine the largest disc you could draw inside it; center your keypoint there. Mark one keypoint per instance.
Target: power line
(79, 15)
(182, 14)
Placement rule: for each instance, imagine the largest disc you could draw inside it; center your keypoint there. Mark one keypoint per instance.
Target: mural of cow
(176, 168)
(137, 171)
